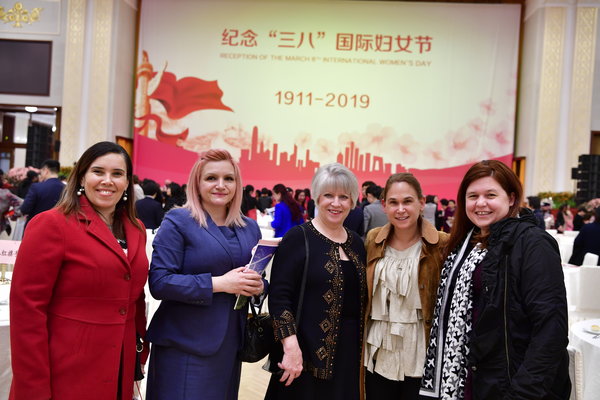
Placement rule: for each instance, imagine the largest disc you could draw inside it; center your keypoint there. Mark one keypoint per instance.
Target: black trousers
(380, 388)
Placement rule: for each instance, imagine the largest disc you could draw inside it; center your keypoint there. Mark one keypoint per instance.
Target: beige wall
(555, 104)
(100, 59)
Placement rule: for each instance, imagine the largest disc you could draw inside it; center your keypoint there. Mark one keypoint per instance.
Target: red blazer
(76, 301)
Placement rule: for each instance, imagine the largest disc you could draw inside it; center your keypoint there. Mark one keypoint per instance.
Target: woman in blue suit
(287, 211)
(197, 270)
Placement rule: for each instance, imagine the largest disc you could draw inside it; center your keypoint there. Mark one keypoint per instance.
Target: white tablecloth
(5, 370)
(589, 346)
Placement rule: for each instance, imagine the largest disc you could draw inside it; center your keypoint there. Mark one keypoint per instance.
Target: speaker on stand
(587, 175)
(40, 143)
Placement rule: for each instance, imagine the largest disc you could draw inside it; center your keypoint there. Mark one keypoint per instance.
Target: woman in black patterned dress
(321, 353)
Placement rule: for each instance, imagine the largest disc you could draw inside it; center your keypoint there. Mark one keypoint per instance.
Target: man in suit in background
(45, 194)
(355, 221)
(373, 212)
(149, 210)
(363, 188)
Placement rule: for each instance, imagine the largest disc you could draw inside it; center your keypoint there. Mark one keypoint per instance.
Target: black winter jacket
(518, 343)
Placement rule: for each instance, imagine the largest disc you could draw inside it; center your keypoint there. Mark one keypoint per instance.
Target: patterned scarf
(445, 370)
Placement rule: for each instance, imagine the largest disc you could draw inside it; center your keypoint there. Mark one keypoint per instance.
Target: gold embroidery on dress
(325, 325)
(328, 296)
(334, 298)
(321, 353)
(330, 267)
(285, 325)
(333, 266)
(287, 316)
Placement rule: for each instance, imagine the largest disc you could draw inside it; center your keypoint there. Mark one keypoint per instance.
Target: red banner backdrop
(287, 86)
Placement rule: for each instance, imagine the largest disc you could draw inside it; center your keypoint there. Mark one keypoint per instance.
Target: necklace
(337, 235)
(105, 220)
(399, 242)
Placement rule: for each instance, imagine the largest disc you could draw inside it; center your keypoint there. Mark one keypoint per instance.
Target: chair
(575, 373)
(590, 259)
(587, 298)
(571, 275)
(566, 250)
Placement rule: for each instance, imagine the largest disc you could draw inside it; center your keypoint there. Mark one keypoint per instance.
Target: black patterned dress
(331, 315)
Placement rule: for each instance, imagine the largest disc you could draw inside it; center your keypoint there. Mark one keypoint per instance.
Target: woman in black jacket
(500, 323)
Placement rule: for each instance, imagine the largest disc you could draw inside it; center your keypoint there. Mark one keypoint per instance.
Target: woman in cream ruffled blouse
(404, 263)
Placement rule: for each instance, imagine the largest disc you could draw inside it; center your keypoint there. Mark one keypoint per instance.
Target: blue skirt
(177, 375)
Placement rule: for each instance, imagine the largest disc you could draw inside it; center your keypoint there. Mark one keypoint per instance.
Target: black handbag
(258, 338)
(139, 347)
(276, 353)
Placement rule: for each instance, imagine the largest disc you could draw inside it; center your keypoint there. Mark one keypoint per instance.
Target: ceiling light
(31, 109)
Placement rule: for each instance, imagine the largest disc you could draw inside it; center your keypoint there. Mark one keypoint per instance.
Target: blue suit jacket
(41, 197)
(282, 220)
(150, 211)
(186, 256)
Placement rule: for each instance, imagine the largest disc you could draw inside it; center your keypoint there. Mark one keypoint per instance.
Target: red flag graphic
(181, 97)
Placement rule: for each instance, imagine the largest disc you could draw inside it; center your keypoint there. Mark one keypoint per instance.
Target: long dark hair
(177, 197)
(563, 208)
(69, 201)
(505, 177)
(286, 198)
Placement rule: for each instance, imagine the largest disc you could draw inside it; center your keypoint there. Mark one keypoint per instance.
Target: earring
(80, 191)
(125, 196)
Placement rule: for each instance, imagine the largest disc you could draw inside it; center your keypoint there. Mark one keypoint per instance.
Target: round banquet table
(589, 345)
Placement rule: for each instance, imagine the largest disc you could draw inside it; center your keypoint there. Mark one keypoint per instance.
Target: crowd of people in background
(40, 190)
(285, 205)
(368, 214)
(375, 291)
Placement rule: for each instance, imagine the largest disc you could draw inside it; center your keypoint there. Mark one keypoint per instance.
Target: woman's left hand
(291, 364)
(239, 281)
(257, 282)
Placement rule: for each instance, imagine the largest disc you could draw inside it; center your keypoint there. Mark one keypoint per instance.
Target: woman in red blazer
(77, 295)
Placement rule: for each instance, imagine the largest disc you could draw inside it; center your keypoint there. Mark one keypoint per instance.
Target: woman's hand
(291, 364)
(239, 281)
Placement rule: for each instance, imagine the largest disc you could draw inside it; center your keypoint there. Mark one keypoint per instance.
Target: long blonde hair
(194, 199)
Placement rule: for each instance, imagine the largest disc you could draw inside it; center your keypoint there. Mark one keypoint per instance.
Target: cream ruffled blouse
(395, 345)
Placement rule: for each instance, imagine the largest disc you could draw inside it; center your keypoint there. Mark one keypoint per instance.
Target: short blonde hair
(194, 201)
(335, 176)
